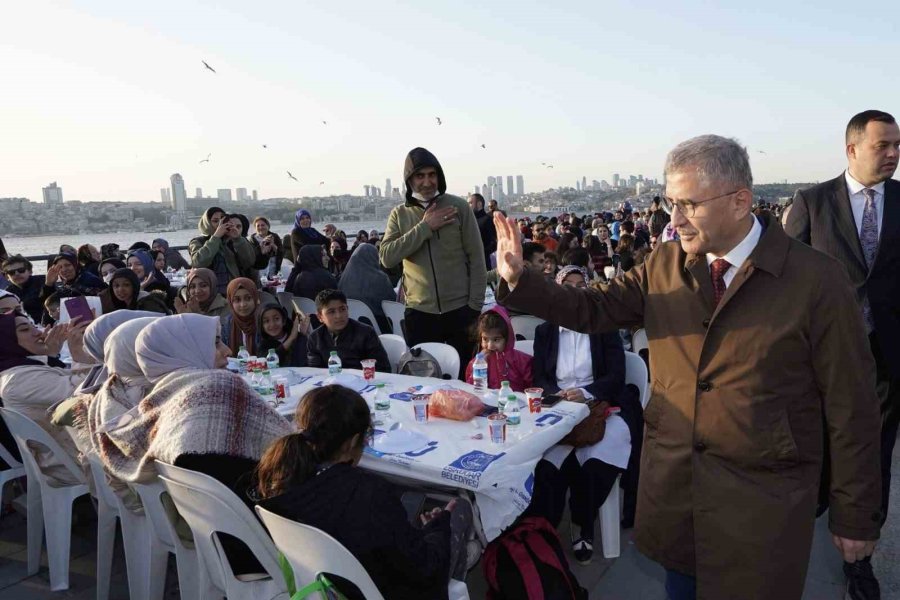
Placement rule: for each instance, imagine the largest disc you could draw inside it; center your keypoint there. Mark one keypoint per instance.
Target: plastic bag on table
(458, 405)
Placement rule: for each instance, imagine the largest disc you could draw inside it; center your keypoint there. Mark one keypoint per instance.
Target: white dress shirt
(858, 201)
(574, 367)
(737, 255)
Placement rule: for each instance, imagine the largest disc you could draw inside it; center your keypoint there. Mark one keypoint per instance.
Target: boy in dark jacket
(353, 340)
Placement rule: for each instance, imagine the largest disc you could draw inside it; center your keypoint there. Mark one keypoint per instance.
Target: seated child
(354, 341)
(289, 339)
(497, 341)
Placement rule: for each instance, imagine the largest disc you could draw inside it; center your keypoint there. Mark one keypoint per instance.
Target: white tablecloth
(500, 476)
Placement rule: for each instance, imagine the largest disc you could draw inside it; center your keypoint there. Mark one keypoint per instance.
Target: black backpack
(418, 363)
(527, 562)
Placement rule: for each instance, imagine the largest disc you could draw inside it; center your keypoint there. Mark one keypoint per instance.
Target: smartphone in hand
(79, 307)
(551, 400)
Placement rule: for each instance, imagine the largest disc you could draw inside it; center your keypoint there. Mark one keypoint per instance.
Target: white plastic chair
(360, 310)
(286, 299)
(15, 470)
(210, 508)
(395, 312)
(49, 502)
(610, 510)
(446, 355)
(306, 305)
(164, 539)
(526, 346)
(311, 551)
(395, 346)
(525, 325)
(639, 341)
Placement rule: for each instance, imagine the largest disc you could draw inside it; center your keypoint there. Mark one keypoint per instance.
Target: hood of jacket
(510, 333)
(311, 257)
(417, 159)
(205, 226)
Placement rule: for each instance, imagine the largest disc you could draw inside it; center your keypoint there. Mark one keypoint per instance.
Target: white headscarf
(121, 359)
(94, 339)
(177, 342)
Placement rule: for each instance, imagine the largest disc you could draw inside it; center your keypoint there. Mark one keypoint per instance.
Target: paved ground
(629, 577)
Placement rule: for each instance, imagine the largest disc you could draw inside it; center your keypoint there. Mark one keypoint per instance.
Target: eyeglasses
(16, 271)
(688, 207)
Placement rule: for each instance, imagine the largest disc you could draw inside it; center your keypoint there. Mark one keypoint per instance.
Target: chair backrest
(360, 311)
(639, 341)
(211, 508)
(395, 312)
(307, 305)
(104, 493)
(636, 373)
(446, 355)
(395, 346)
(311, 551)
(8, 458)
(524, 325)
(286, 299)
(25, 430)
(151, 497)
(526, 346)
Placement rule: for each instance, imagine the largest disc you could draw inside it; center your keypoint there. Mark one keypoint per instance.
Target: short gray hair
(715, 160)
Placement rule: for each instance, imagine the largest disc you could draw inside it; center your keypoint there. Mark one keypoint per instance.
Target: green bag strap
(321, 585)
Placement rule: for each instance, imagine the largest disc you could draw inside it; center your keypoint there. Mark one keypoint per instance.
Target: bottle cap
(504, 383)
(379, 385)
(333, 352)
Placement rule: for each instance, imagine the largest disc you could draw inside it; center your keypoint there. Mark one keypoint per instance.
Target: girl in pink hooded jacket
(497, 342)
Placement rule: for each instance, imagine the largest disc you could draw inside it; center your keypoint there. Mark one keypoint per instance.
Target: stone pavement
(629, 577)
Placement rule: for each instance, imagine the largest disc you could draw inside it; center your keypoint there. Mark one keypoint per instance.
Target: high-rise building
(499, 181)
(242, 195)
(164, 196)
(367, 188)
(615, 181)
(53, 195)
(488, 192)
(520, 186)
(583, 184)
(496, 192)
(577, 185)
(255, 196)
(224, 195)
(509, 185)
(387, 187)
(179, 196)
(199, 193)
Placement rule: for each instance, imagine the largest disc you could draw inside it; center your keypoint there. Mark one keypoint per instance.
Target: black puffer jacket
(313, 277)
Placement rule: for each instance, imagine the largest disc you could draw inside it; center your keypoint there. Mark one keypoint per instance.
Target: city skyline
(110, 97)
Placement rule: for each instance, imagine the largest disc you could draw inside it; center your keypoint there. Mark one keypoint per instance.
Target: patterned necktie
(717, 273)
(868, 239)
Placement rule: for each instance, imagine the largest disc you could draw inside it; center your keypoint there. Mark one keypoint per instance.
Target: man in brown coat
(756, 345)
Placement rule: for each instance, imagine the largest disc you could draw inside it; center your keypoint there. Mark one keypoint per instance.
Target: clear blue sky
(110, 98)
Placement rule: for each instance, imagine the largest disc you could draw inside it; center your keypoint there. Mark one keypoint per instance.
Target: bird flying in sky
(321, 183)
(207, 66)
(265, 146)
(549, 166)
(206, 159)
(761, 152)
(438, 120)
(292, 177)
(324, 122)
(483, 146)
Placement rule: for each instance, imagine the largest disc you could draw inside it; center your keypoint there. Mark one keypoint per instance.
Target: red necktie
(717, 272)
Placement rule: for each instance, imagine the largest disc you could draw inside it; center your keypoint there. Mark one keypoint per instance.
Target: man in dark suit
(856, 219)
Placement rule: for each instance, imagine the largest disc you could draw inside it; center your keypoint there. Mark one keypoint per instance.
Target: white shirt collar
(737, 255)
(856, 187)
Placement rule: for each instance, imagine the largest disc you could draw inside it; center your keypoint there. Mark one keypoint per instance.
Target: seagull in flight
(324, 122)
(265, 146)
(549, 166)
(205, 160)
(321, 183)
(292, 177)
(207, 66)
(438, 120)
(483, 146)
(761, 151)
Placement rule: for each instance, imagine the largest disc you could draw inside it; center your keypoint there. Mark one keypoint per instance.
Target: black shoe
(861, 581)
(583, 550)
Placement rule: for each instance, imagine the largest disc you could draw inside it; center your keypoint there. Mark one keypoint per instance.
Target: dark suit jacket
(821, 217)
(607, 358)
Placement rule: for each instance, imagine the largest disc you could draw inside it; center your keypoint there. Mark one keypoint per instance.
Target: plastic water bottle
(243, 358)
(382, 405)
(266, 387)
(272, 362)
(511, 410)
(502, 396)
(334, 364)
(480, 374)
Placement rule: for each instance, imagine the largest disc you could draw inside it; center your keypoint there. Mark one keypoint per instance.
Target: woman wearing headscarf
(174, 258)
(221, 248)
(108, 266)
(123, 292)
(144, 267)
(89, 258)
(199, 295)
(65, 271)
(304, 234)
(30, 387)
(364, 280)
(288, 338)
(313, 277)
(268, 244)
(239, 327)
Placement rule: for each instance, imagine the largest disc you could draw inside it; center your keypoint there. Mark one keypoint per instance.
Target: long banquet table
(454, 454)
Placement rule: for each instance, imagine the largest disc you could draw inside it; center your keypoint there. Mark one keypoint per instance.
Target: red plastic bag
(454, 404)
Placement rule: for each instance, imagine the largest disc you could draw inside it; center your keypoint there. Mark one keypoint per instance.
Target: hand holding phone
(79, 307)
(551, 400)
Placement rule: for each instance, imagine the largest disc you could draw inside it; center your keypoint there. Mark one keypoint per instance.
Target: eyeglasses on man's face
(18, 271)
(688, 207)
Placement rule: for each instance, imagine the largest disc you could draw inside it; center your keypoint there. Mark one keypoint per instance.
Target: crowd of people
(755, 360)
